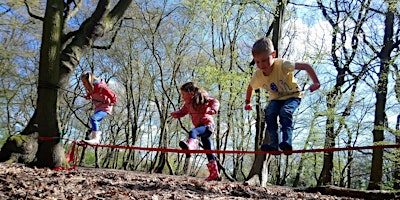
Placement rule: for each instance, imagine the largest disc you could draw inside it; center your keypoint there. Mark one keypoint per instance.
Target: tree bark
(261, 162)
(380, 106)
(59, 56)
(50, 151)
(396, 185)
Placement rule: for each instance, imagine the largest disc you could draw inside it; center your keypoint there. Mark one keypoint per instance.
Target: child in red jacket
(200, 107)
(103, 99)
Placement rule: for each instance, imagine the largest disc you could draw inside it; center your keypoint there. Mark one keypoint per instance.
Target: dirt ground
(21, 182)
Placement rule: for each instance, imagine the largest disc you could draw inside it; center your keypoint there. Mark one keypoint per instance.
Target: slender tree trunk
(261, 163)
(396, 174)
(164, 144)
(303, 156)
(380, 106)
(377, 154)
(259, 168)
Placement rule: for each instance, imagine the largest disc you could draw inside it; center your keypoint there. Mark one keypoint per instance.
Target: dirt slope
(21, 182)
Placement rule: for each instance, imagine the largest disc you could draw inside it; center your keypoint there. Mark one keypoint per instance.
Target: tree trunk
(380, 106)
(59, 56)
(163, 144)
(259, 170)
(396, 173)
(325, 177)
(261, 162)
(50, 151)
(302, 158)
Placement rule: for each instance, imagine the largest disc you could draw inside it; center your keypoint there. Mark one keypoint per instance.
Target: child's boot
(213, 169)
(95, 138)
(192, 144)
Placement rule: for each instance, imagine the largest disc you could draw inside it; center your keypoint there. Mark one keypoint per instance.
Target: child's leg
(271, 115)
(286, 120)
(198, 131)
(96, 133)
(207, 145)
(212, 162)
(192, 142)
(96, 119)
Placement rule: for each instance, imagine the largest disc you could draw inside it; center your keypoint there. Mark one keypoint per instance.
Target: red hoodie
(103, 97)
(199, 117)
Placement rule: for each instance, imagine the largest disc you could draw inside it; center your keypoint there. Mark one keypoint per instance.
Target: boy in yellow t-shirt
(276, 76)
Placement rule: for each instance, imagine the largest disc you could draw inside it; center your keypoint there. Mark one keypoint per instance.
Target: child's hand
(211, 112)
(248, 106)
(314, 87)
(174, 115)
(87, 97)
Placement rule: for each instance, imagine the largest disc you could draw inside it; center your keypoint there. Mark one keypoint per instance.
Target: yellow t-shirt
(281, 84)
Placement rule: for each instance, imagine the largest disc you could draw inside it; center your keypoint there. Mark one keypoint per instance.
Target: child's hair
(90, 78)
(200, 96)
(262, 45)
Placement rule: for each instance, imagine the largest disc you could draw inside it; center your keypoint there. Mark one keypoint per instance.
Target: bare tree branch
(30, 13)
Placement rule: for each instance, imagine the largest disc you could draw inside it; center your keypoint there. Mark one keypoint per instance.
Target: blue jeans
(96, 119)
(284, 109)
(204, 133)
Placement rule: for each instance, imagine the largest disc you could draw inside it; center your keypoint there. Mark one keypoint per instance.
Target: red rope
(245, 152)
(73, 154)
(50, 138)
(333, 149)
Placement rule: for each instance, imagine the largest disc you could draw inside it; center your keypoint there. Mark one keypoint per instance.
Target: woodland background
(159, 45)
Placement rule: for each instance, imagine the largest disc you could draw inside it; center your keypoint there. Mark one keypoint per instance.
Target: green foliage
(230, 80)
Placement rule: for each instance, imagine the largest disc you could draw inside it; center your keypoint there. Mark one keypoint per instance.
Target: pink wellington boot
(213, 169)
(192, 144)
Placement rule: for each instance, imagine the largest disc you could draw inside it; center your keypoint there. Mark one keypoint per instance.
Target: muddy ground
(21, 182)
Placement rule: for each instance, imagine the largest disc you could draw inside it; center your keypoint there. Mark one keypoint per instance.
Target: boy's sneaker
(286, 148)
(267, 147)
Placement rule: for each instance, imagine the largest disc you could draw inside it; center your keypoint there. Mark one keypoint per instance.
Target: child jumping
(276, 76)
(103, 99)
(200, 107)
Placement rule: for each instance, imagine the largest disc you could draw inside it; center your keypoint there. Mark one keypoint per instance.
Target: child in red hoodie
(103, 99)
(200, 107)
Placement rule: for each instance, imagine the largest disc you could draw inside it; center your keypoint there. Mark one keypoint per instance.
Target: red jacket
(199, 117)
(103, 97)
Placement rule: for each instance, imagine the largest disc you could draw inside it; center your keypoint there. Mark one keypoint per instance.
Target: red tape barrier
(246, 152)
(72, 154)
(230, 151)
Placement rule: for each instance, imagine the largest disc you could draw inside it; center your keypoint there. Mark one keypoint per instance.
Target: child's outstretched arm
(88, 96)
(180, 113)
(311, 73)
(249, 93)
